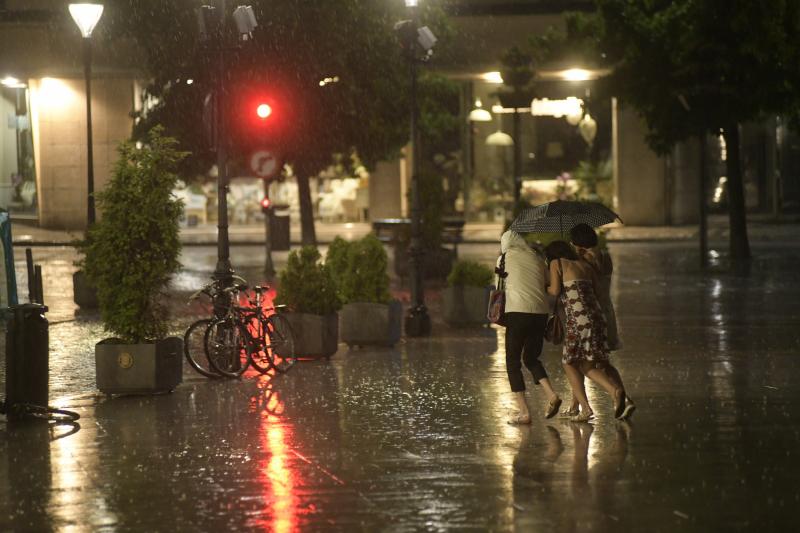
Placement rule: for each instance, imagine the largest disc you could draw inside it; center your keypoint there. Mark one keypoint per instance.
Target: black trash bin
(27, 355)
(279, 229)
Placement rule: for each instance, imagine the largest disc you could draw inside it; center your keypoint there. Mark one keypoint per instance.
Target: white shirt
(525, 284)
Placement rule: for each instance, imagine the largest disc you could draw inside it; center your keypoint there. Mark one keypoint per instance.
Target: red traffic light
(263, 110)
(266, 203)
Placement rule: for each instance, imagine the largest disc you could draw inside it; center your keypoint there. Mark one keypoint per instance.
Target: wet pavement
(415, 438)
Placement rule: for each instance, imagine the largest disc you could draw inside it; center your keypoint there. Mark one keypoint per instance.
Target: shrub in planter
(466, 297)
(130, 256)
(336, 258)
(307, 288)
(369, 316)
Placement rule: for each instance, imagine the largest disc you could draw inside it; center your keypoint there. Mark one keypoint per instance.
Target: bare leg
(573, 406)
(614, 388)
(601, 378)
(548, 389)
(524, 416)
(613, 374)
(576, 384)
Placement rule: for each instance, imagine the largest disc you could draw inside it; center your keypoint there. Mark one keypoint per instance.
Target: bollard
(27, 356)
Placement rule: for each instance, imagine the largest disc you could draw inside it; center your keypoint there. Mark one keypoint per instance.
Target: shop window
(17, 167)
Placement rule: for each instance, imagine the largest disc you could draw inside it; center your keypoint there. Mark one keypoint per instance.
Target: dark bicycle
(194, 347)
(250, 335)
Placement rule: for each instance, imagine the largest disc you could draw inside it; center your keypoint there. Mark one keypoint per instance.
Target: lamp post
(417, 321)
(86, 16)
(212, 29)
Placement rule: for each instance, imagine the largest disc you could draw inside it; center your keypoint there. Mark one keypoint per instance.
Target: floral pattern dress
(585, 326)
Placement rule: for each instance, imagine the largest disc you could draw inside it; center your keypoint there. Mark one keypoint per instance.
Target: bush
(365, 278)
(132, 253)
(470, 273)
(337, 257)
(306, 285)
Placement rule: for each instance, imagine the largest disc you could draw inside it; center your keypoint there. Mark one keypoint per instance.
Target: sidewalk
(759, 230)
(415, 437)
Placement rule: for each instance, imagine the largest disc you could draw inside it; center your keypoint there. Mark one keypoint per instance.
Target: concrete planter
(466, 306)
(371, 324)
(138, 368)
(84, 293)
(314, 335)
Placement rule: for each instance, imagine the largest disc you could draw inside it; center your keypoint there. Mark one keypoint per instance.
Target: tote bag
(497, 298)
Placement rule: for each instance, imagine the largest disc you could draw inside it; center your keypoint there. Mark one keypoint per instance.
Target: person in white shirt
(525, 318)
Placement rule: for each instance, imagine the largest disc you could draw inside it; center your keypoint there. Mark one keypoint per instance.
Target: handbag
(554, 330)
(497, 298)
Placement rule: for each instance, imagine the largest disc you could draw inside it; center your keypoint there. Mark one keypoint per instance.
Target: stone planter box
(466, 306)
(138, 368)
(84, 294)
(371, 324)
(314, 335)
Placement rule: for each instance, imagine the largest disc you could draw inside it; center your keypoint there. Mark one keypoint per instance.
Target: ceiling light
(576, 74)
(479, 114)
(499, 138)
(11, 82)
(492, 77)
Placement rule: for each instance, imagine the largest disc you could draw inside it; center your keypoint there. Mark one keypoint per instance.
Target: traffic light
(266, 204)
(263, 110)
(262, 116)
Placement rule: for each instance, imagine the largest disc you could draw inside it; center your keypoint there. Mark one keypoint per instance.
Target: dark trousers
(524, 337)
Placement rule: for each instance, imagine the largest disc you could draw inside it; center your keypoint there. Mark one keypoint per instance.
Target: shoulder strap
(501, 272)
(561, 277)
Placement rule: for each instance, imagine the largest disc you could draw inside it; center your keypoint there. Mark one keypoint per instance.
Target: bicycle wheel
(194, 348)
(225, 348)
(259, 356)
(280, 342)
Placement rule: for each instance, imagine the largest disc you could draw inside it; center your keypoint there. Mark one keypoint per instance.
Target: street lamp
(211, 21)
(86, 17)
(418, 43)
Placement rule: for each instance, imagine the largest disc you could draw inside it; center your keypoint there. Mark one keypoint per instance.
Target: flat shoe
(520, 421)
(552, 408)
(628, 408)
(582, 417)
(569, 413)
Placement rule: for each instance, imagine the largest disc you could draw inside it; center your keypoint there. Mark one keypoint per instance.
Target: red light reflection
(278, 479)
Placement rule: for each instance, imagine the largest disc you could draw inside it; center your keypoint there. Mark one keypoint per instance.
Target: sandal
(582, 417)
(520, 420)
(552, 408)
(569, 412)
(628, 407)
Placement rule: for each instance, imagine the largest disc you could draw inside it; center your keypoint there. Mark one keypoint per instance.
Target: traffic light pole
(269, 266)
(418, 322)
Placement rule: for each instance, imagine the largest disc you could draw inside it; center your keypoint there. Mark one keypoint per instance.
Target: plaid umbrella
(561, 216)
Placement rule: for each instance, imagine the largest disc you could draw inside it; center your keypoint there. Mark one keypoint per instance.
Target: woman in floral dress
(585, 351)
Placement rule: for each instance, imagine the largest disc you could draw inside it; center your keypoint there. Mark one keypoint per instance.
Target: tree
(698, 67)
(296, 45)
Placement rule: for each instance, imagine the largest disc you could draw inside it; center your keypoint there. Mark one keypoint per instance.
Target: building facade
(43, 137)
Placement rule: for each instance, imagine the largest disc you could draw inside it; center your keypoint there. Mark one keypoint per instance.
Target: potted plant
(307, 288)
(369, 316)
(466, 297)
(130, 256)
